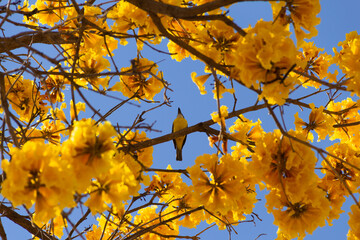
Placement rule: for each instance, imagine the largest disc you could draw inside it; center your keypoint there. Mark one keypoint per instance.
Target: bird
(178, 124)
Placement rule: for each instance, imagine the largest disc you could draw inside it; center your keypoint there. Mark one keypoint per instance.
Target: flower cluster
(37, 176)
(267, 56)
(143, 82)
(24, 97)
(48, 176)
(55, 160)
(222, 186)
(348, 60)
(302, 13)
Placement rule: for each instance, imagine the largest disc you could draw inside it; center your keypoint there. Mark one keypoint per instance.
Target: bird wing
(184, 141)
(172, 130)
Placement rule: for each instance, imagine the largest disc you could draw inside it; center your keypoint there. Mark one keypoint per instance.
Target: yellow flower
(302, 15)
(127, 16)
(58, 114)
(182, 205)
(136, 160)
(223, 112)
(90, 63)
(168, 185)
(97, 233)
(220, 186)
(24, 97)
(37, 175)
(265, 56)
(319, 121)
(148, 217)
(80, 106)
(221, 88)
(348, 174)
(200, 81)
(89, 150)
(282, 163)
(354, 223)
(49, 12)
(120, 14)
(50, 131)
(129, 138)
(348, 60)
(345, 112)
(114, 225)
(144, 82)
(181, 29)
(113, 187)
(247, 132)
(171, 189)
(334, 195)
(295, 218)
(313, 63)
(218, 41)
(92, 38)
(53, 86)
(54, 226)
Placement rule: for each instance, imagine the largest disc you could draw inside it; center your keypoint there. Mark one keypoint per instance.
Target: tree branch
(24, 223)
(14, 42)
(200, 127)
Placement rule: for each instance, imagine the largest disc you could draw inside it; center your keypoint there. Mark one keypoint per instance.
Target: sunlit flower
(220, 89)
(345, 112)
(220, 118)
(302, 14)
(97, 233)
(89, 150)
(344, 170)
(220, 185)
(247, 132)
(51, 130)
(58, 113)
(219, 41)
(129, 17)
(128, 138)
(37, 175)
(113, 187)
(148, 217)
(48, 12)
(315, 64)
(168, 185)
(79, 107)
(319, 121)
(137, 160)
(54, 226)
(24, 97)
(144, 82)
(284, 164)
(265, 57)
(335, 197)
(53, 86)
(183, 30)
(354, 223)
(295, 218)
(109, 227)
(92, 63)
(348, 60)
(200, 81)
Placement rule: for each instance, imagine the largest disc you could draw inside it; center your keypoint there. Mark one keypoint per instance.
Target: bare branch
(28, 38)
(26, 224)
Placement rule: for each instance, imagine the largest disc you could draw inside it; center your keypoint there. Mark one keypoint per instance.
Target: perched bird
(178, 124)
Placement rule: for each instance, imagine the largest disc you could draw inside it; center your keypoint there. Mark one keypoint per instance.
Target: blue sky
(337, 19)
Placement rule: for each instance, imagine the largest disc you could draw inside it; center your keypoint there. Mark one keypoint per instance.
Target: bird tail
(179, 154)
